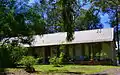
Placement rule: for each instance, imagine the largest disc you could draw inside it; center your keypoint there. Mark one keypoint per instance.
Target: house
(117, 45)
(97, 44)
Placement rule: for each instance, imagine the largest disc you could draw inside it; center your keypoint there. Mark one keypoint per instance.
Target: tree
(70, 10)
(10, 55)
(19, 21)
(69, 16)
(88, 20)
(112, 7)
(60, 16)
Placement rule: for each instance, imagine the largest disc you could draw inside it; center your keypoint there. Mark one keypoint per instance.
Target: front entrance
(47, 54)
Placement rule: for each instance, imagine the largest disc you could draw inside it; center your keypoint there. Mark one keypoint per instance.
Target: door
(47, 54)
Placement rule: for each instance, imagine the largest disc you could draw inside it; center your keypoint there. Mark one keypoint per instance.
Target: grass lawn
(85, 69)
(75, 69)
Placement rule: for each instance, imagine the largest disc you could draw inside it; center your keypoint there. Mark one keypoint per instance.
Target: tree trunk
(117, 34)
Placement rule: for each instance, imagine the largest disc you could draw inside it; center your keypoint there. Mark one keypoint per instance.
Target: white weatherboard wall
(86, 50)
(106, 48)
(78, 52)
(71, 51)
(53, 50)
(42, 52)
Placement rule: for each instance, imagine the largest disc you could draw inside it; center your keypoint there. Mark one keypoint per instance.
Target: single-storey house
(97, 44)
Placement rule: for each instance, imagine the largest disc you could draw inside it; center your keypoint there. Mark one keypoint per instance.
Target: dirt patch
(113, 71)
(22, 72)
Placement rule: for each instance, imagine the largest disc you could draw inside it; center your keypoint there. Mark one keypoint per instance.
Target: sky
(104, 17)
(104, 20)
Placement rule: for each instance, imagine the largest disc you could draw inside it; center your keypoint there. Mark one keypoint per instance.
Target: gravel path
(113, 71)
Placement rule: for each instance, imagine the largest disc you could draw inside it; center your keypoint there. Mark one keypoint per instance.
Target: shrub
(2, 69)
(9, 55)
(17, 53)
(57, 61)
(28, 62)
(54, 61)
(40, 60)
(61, 58)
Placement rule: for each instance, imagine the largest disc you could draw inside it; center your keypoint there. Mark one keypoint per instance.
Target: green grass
(50, 70)
(73, 68)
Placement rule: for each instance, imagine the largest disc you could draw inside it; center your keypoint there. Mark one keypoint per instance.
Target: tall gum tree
(112, 7)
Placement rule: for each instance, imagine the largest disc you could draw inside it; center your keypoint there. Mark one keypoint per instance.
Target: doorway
(47, 54)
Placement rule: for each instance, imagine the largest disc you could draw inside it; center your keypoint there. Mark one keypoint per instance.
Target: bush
(61, 58)
(54, 61)
(28, 62)
(9, 55)
(40, 60)
(57, 61)
(2, 70)
(17, 53)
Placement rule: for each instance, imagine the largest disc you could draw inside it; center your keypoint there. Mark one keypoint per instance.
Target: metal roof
(87, 36)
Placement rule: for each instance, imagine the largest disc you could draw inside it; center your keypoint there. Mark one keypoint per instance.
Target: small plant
(54, 61)
(61, 58)
(57, 61)
(28, 62)
(40, 60)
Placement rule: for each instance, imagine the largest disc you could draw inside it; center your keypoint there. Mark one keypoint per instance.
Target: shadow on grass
(97, 74)
(3, 72)
(76, 73)
(81, 73)
(6, 73)
(65, 72)
(71, 73)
